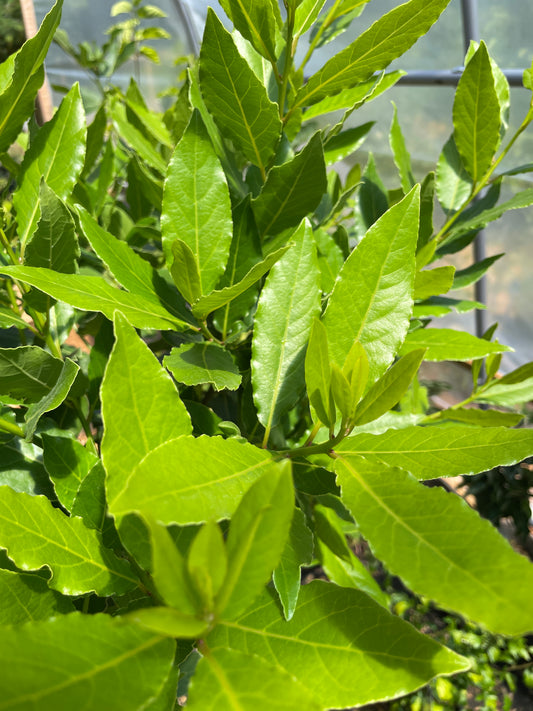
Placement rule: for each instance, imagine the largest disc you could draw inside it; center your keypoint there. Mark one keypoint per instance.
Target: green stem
(5, 242)
(291, 14)
(322, 448)
(7, 426)
(477, 188)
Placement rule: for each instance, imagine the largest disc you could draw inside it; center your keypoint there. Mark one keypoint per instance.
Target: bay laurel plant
(208, 378)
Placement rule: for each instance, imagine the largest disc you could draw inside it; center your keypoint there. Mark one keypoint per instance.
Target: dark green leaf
(57, 394)
(298, 551)
(67, 462)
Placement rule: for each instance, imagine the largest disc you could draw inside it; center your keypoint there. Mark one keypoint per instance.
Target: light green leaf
(420, 532)
(288, 303)
(58, 394)
(481, 418)
(197, 363)
(388, 38)
(168, 622)
(140, 144)
(67, 462)
(256, 21)
(130, 270)
(95, 294)
(206, 304)
(207, 565)
(342, 630)
(476, 115)
(400, 153)
(54, 243)
(236, 97)
(257, 536)
(17, 100)
(342, 393)
(454, 185)
(298, 551)
(508, 393)
(343, 144)
(438, 306)
(433, 282)
(447, 344)
(27, 598)
(141, 408)
(213, 475)
(481, 220)
(185, 271)
(47, 665)
(169, 571)
(27, 373)
(150, 120)
(227, 679)
(56, 155)
(292, 190)
(353, 98)
(432, 452)
(372, 298)
(36, 534)
(90, 503)
(306, 14)
(389, 389)
(197, 211)
(330, 259)
(318, 374)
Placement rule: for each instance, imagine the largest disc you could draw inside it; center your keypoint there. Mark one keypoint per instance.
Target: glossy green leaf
(169, 571)
(198, 211)
(292, 190)
(420, 532)
(141, 408)
(57, 394)
(54, 243)
(372, 298)
(476, 115)
(289, 301)
(27, 598)
(342, 393)
(197, 363)
(150, 120)
(330, 259)
(130, 270)
(318, 374)
(298, 551)
(454, 185)
(228, 679)
(73, 660)
(256, 22)
(400, 153)
(352, 99)
(343, 144)
(56, 155)
(207, 564)
(306, 14)
(388, 38)
(481, 418)
(433, 282)
(342, 630)
(213, 475)
(141, 145)
(36, 534)
(236, 97)
(508, 394)
(432, 452)
(168, 622)
(94, 294)
(482, 219)
(185, 271)
(389, 389)
(67, 462)
(27, 373)
(448, 344)
(257, 536)
(90, 503)
(471, 274)
(17, 100)
(216, 299)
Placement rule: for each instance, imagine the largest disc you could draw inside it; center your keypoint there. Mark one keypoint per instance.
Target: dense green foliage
(208, 374)
(11, 28)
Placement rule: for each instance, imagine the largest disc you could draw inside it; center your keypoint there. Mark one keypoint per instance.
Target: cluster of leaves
(236, 332)
(498, 665)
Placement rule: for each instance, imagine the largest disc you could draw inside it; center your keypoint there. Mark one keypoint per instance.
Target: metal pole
(471, 32)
